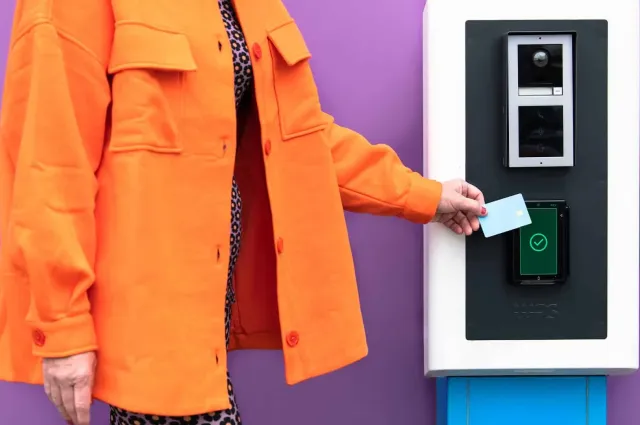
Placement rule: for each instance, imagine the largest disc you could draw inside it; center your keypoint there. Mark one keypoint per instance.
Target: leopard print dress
(243, 79)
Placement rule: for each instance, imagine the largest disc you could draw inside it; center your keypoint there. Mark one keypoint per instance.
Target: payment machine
(540, 99)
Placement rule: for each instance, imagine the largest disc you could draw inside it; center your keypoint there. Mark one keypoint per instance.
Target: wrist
(63, 338)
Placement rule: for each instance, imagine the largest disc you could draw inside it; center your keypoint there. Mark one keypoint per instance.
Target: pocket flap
(137, 45)
(288, 41)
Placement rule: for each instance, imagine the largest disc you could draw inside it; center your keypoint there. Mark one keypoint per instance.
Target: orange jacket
(118, 146)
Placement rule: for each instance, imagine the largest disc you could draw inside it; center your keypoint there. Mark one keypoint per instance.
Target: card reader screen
(539, 243)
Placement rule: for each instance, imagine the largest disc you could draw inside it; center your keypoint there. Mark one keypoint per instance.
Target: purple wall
(372, 83)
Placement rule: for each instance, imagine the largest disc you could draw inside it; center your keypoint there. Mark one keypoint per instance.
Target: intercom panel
(575, 305)
(539, 96)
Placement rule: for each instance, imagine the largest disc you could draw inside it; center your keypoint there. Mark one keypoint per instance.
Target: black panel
(496, 309)
(534, 143)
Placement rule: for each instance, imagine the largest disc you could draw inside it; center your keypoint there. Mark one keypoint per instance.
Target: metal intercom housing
(539, 99)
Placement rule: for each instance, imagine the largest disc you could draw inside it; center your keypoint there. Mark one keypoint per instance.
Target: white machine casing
(447, 351)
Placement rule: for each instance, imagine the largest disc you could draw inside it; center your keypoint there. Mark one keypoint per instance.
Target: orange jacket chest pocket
(148, 67)
(296, 92)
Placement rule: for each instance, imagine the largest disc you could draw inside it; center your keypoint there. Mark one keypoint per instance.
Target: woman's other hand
(68, 382)
(460, 205)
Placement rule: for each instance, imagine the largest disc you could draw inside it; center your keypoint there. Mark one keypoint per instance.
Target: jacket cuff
(423, 200)
(63, 338)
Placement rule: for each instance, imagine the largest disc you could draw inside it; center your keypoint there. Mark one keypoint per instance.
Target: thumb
(467, 205)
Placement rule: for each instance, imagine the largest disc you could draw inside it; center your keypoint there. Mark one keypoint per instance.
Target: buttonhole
(219, 46)
(218, 255)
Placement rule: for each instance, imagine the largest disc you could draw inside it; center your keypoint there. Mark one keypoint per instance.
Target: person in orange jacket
(170, 190)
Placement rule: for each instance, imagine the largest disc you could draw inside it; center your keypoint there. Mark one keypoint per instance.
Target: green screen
(539, 243)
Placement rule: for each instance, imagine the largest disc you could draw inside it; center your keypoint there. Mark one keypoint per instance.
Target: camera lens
(540, 58)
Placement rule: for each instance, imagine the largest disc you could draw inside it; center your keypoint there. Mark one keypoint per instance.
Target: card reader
(540, 251)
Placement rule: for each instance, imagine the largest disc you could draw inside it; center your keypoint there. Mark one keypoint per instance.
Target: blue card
(504, 215)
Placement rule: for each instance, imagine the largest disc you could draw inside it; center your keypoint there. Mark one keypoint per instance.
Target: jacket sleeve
(373, 180)
(52, 131)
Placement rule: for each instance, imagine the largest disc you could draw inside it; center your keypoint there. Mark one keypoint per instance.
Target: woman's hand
(460, 205)
(68, 382)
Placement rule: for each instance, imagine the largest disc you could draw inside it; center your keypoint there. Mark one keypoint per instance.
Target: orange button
(280, 245)
(257, 50)
(38, 337)
(267, 147)
(293, 339)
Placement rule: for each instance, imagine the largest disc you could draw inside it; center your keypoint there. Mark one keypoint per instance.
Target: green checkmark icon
(538, 242)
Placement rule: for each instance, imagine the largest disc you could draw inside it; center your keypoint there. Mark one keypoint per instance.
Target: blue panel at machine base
(533, 400)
